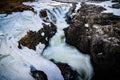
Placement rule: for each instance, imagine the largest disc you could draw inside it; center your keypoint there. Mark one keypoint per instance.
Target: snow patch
(42, 34)
(107, 5)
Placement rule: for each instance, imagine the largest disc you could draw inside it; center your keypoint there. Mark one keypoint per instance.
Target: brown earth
(8, 6)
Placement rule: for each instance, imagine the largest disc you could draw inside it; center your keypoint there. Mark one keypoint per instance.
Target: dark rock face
(33, 38)
(76, 34)
(8, 6)
(66, 71)
(97, 34)
(99, 0)
(78, 29)
(37, 74)
(115, 0)
(43, 13)
(117, 6)
(47, 16)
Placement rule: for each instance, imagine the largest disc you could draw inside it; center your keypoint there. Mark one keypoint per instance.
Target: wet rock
(66, 71)
(106, 59)
(33, 38)
(70, 12)
(105, 19)
(8, 6)
(117, 6)
(37, 74)
(47, 16)
(98, 0)
(43, 13)
(97, 34)
(115, 0)
(77, 36)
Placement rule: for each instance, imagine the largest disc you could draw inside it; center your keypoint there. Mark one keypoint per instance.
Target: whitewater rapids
(15, 63)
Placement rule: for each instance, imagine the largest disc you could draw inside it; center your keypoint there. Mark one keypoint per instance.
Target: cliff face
(8, 6)
(98, 34)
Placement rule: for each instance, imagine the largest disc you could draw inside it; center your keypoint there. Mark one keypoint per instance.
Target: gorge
(50, 40)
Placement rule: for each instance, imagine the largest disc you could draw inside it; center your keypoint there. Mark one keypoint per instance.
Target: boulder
(67, 72)
(97, 34)
(33, 38)
(37, 74)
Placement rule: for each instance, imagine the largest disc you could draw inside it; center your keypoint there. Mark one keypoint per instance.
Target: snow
(87, 25)
(14, 62)
(42, 34)
(78, 6)
(107, 5)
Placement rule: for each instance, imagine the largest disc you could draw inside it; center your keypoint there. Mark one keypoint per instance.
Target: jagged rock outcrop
(97, 34)
(47, 16)
(77, 27)
(115, 0)
(37, 74)
(8, 6)
(33, 38)
(66, 71)
(117, 5)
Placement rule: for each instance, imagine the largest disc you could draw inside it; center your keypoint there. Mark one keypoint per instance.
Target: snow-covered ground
(107, 5)
(14, 62)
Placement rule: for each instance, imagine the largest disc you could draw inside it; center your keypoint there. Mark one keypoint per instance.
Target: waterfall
(62, 52)
(15, 63)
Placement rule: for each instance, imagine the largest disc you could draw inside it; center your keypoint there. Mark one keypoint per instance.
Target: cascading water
(15, 63)
(62, 52)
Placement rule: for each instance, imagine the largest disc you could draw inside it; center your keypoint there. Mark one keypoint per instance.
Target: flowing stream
(15, 63)
(62, 52)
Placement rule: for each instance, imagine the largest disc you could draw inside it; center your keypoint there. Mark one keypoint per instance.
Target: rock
(47, 16)
(117, 6)
(77, 36)
(37, 74)
(43, 13)
(98, 0)
(105, 19)
(66, 71)
(33, 38)
(9, 6)
(116, 1)
(100, 39)
(106, 62)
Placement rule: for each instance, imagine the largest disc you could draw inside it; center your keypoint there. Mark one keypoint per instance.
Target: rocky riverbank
(96, 33)
(33, 38)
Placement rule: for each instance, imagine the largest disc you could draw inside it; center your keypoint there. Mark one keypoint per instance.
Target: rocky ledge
(96, 34)
(33, 38)
(67, 72)
(8, 6)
